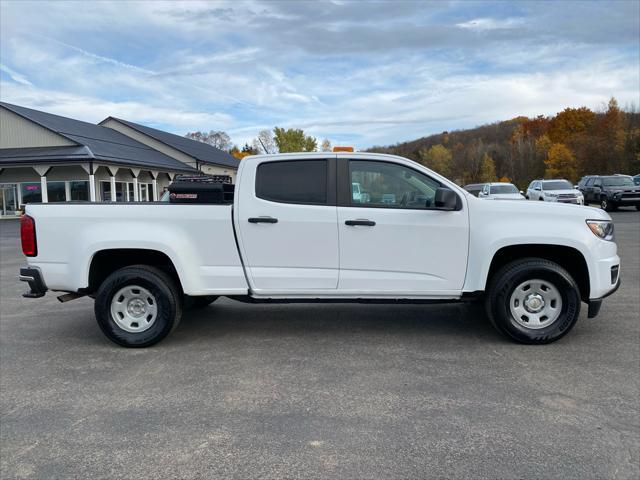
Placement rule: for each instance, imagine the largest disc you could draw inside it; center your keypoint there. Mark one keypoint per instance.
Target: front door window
(388, 185)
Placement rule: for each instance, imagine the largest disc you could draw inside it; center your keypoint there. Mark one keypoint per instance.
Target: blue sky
(358, 73)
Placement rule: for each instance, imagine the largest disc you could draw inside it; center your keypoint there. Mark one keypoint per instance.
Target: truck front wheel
(533, 301)
(138, 306)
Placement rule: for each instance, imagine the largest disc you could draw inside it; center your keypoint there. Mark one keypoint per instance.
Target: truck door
(287, 222)
(391, 242)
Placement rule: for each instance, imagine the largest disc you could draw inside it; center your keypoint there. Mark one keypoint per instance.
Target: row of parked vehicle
(608, 191)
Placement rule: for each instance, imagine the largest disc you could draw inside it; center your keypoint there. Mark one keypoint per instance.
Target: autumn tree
(561, 163)
(294, 140)
(488, 169)
(245, 152)
(570, 123)
(218, 139)
(438, 158)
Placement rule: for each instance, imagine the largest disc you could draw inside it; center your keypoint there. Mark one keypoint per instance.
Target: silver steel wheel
(535, 304)
(134, 309)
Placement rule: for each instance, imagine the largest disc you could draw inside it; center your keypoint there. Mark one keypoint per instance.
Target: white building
(49, 158)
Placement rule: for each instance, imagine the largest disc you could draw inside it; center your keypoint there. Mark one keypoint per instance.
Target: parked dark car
(583, 181)
(474, 188)
(611, 192)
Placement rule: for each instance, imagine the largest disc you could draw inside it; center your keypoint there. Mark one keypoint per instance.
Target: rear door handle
(362, 222)
(263, 220)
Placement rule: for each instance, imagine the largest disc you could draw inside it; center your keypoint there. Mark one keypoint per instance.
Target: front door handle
(362, 222)
(263, 220)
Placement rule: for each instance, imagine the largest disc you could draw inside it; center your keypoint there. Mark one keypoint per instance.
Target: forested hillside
(575, 142)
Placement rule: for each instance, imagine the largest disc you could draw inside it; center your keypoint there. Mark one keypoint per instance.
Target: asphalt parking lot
(322, 391)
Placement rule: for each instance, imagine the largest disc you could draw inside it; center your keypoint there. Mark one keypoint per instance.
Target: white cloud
(491, 23)
(15, 76)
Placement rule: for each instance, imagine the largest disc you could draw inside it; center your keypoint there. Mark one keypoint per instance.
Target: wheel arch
(104, 262)
(569, 258)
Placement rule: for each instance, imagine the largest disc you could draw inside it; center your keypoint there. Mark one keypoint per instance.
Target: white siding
(18, 132)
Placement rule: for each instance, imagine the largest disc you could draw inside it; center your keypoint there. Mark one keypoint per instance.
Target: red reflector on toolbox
(28, 236)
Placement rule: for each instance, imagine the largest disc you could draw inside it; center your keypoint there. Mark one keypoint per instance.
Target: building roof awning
(99, 144)
(201, 151)
(79, 154)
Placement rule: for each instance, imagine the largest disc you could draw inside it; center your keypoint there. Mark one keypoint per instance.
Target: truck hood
(538, 211)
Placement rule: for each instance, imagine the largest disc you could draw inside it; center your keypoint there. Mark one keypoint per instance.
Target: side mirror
(521, 192)
(576, 187)
(537, 188)
(445, 199)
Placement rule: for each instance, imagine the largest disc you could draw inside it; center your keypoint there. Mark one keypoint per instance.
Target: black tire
(606, 205)
(192, 303)
(167, 296)
(509, 277)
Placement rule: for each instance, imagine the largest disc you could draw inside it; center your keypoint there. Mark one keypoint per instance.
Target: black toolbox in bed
(201, 189)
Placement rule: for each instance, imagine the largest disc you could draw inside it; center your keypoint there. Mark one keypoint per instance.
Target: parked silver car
(500, 191)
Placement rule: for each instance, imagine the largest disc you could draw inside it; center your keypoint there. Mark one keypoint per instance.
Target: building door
(8, 199)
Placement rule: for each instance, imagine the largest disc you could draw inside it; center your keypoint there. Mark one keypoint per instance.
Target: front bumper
(33, 277)
(596, 303)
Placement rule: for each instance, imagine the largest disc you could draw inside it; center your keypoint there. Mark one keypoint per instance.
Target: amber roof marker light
(342, 149)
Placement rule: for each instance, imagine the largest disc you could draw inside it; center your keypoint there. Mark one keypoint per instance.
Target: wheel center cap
(534, 303)
(136, 307)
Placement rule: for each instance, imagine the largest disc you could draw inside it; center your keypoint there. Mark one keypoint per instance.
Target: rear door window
(295, 181)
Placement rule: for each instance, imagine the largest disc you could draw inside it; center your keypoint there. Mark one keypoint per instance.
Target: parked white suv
(559, 190)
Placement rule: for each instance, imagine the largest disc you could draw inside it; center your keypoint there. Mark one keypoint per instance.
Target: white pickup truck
(296, 232)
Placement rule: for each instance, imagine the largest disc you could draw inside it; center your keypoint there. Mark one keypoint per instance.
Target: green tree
(294, 140)
(438, 158)
(488, 169)
(561, 163)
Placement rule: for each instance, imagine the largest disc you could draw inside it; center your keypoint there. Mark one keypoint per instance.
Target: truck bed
(198, 239)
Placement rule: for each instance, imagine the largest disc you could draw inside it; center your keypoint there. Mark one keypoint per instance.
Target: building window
(56, 192)
(79, 190)
(31, 192)
(105, 190)
(144, 191)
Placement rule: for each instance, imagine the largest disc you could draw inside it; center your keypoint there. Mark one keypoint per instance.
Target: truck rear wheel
(533, 301)
(138, 306)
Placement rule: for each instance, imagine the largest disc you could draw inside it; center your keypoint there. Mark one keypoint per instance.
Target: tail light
(28, 236)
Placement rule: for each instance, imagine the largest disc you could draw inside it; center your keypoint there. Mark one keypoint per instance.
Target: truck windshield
(617, 182)
(557, 185)
(498, 189)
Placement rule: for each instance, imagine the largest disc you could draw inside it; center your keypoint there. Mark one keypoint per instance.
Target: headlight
(601, 228)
